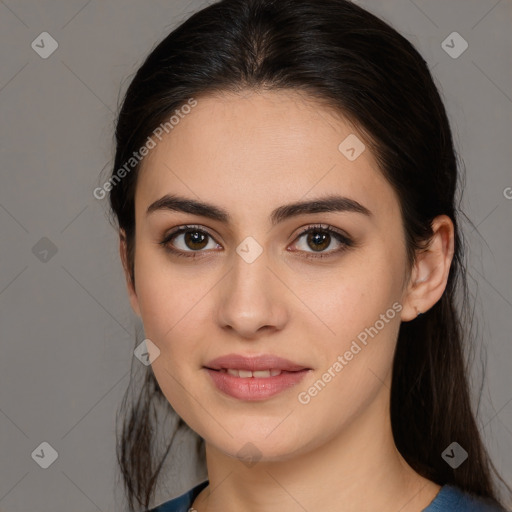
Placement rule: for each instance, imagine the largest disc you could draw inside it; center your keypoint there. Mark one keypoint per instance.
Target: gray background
(67, 331)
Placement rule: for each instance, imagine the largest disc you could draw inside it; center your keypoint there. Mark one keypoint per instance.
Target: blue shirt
(448, 499)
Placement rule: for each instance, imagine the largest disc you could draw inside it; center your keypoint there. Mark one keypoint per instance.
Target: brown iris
(194, 239)
(320, 240)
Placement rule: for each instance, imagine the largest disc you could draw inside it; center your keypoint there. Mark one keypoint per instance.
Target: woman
(284, 187)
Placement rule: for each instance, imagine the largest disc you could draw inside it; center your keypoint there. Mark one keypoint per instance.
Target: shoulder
(181, 503)
(453, 499)
(449, 498)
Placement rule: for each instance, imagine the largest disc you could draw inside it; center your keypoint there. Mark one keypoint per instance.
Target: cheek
(176, 310)
(356, 358)
(163, 295)
(352, 297)
(363, 331)
(359, 306)
(170, 307)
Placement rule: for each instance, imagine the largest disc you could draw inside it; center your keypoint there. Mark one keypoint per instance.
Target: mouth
(247, 374)
(260, 363)
(254, 378)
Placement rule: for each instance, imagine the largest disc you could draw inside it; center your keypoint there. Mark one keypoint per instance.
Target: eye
(320, 238)
(187, 239)
(191, 241)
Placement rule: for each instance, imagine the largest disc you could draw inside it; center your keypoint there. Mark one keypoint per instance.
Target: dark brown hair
(358, 65)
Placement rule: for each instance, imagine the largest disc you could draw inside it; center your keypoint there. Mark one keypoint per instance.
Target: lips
(254, 377)
(265, 362)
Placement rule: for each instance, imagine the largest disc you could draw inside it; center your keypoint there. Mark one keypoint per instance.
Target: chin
(252, 449)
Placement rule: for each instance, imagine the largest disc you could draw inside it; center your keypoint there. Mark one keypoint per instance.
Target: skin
(250, 153)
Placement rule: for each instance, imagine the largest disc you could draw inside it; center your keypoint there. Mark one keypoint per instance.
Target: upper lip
(254, 363)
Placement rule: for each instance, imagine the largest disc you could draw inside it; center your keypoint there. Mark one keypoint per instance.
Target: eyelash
(326, 229)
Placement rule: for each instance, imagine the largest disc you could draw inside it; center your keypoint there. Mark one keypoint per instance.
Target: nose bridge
(250, 299)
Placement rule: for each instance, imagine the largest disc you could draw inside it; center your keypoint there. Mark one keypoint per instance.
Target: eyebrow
(330, 203)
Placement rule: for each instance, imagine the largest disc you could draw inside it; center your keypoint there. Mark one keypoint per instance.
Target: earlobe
(431, 270)
(123, 252)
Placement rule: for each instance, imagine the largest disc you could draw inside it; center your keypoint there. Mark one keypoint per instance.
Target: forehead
(251, 149)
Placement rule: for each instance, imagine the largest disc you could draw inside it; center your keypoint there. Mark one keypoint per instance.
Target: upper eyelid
(323, 227)
(179, 230)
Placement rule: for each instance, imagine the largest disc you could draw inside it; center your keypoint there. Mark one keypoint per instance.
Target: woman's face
(250, 285)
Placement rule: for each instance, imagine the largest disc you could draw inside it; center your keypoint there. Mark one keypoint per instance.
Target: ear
(123, 252)
(431, 270)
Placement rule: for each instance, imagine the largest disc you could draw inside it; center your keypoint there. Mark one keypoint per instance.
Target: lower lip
(255, 388)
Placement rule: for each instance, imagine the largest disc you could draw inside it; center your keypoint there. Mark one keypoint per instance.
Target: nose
(251, 300)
